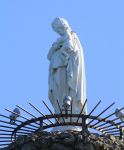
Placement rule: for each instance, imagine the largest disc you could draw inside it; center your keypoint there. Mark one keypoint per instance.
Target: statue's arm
(55, 46)
(67, 48)
(52, 50)
(50, 53)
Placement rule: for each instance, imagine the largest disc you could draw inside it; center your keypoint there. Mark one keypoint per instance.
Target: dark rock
(81, 146)
(28, 146)
(68, 140)
(59, 147)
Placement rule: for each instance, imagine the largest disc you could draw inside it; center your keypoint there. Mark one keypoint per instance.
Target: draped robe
(67, 73)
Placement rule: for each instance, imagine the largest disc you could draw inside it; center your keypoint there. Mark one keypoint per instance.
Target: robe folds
(67, 73)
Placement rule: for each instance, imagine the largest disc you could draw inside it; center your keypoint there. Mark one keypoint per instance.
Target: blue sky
(25, 39)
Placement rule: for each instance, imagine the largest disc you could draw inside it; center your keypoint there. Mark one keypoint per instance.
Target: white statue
(67, 68)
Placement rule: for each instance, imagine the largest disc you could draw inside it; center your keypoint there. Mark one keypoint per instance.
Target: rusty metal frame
(106, 126)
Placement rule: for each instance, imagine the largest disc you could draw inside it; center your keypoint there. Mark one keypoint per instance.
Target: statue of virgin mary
(67, 68)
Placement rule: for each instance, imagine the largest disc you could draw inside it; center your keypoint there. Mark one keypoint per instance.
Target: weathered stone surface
(58, 146)
(68, 140)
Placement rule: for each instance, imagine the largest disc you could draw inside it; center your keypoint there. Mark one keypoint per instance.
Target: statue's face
(59, 30)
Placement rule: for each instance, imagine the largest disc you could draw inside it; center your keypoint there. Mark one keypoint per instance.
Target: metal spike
(17, 121)
(39, 112)
(71, 112)
(101, 113)
(26, 111)
(109, 116)
(94, 108)
(50, 111)
(82, 110)
(60, 110)
(20, 116)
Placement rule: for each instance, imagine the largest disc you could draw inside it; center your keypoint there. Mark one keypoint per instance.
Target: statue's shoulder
(60, 40)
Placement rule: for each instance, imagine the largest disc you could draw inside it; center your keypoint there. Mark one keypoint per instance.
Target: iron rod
(4, 137)
(94, 108)
(103, 120)
(19, 134)
(5, 144)
(60, 109)
(110, 129)
(114, 113)
(7, 127)
(36, 109)
(115, 119)
(101, 113)
(11, 131)
(113, 131)
(5, 134)
(110, 116)
(16, 114)
(39, 111)
(10, 118)
(50, 111)
(119, 122)
(29, 128)
(47, 106)
(71, 112)
(20, 116)
(45, 123)
(5, 141)
(99, 122)
(107, 126)
(15, 125)
(106, 123)
(5, 130)
(26, 130)
(26, 111)
(111, 125)
(115, 134)
(82, 110)
(8, 123)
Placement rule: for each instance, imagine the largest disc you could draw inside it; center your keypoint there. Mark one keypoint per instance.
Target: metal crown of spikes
(10, 130)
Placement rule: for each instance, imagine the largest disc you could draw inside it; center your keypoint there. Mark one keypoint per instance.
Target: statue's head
(60, 25)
